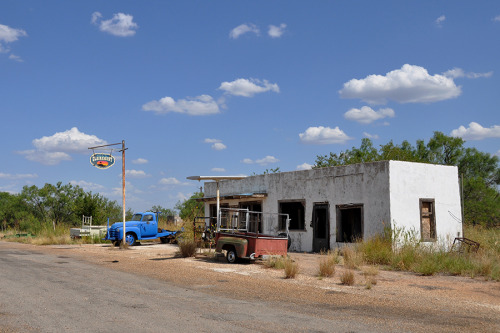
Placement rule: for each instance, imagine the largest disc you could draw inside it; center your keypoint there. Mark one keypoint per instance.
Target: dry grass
(291, 268)
(276, 262)
(327, 264)
(187, 248)
(370, 274)
(347, 278)
(352, 259)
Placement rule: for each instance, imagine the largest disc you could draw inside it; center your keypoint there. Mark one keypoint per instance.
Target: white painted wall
(388, 190)
(411, 181)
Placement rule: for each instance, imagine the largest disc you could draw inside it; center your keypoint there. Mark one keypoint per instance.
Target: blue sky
(234, 87)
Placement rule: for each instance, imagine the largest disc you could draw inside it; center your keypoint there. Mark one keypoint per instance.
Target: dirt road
(148, 283)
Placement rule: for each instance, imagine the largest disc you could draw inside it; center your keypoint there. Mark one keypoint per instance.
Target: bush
(275, 262)
(291, 268)
(187, 248)
(347, 278)
(352, 258)
(327, 264)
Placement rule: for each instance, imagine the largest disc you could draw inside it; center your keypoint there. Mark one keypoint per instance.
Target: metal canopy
(216, 179)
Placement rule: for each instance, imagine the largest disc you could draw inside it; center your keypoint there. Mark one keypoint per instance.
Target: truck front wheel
(231, 256)
(130, 239)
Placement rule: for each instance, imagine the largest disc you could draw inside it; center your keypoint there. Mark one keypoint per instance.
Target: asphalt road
(43, 292)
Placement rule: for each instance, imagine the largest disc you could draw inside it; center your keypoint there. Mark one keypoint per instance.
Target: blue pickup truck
(142, 226)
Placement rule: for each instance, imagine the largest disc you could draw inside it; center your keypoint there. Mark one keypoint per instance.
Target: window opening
(427, 220)
(349, 223)
(255, 220)
(296, 212)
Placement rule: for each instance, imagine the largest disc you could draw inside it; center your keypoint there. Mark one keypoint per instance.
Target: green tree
(190, 208)
(480, 170)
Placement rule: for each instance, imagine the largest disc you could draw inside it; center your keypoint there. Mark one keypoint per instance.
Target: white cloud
(87, 186)
(476, 132)
(324, 135)
(208, 140)
(218, 170)
(370, 136)
(243, 29)
(219, 146)
(367, 115)
(410, 84)
(304, 166)
(198, 106)
(276, 32)
(263, 161)
(169, 181)
(458, 72)
(439, 21)
(121, 25)
(136, 173)
(45, 157)
(496, 18)
(140, 161)
(248, 88)
(15, 58)
(498, 153)
(9, 35)
(18, 176)
(70, 141)
(51, 150)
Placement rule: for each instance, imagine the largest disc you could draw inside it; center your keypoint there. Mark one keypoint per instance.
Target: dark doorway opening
(321, 227)
(349, 223)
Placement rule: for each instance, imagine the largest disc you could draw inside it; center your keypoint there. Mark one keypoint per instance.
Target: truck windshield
(136, 217)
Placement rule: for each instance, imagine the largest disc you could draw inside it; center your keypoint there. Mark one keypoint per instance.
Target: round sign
(101, 160)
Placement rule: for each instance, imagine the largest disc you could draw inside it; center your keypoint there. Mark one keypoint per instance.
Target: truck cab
(142, 226)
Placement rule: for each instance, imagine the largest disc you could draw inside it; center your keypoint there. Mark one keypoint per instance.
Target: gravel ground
(398, 301)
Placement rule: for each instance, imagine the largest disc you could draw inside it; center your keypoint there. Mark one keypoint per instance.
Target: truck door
(149, 227)
(321, 227)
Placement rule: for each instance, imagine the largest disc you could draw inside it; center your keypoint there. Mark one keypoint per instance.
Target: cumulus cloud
(367, 115)
(324, 135)
(304, 166)
(51, 150)
(140, 161)
(7, 36)
(169, 181)
(458, 73)
(243, 29)
(370, 136)
(197, 106)
(476, 132)
(276, 31)
(263, 161)
(121, 25)
(218, 170)
(135, 174)
(87, 186)
(439, 21)
(248, 88)
(216, 144)
(410, 84)
(496, 18)
(18, 176)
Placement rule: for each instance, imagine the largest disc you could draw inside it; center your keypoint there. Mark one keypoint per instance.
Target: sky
(218, 88)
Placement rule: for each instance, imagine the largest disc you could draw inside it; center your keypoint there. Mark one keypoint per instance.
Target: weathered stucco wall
(366, 184)
(410, 182)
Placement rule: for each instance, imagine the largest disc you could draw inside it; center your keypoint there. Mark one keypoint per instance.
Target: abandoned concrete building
(329, 207)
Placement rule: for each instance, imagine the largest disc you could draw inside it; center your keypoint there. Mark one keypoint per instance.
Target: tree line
(480, 170)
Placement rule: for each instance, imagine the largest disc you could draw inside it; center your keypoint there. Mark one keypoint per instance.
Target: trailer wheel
(130, 239)
(231, 256)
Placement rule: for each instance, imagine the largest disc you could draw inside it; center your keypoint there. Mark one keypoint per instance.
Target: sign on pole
(102, 160)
